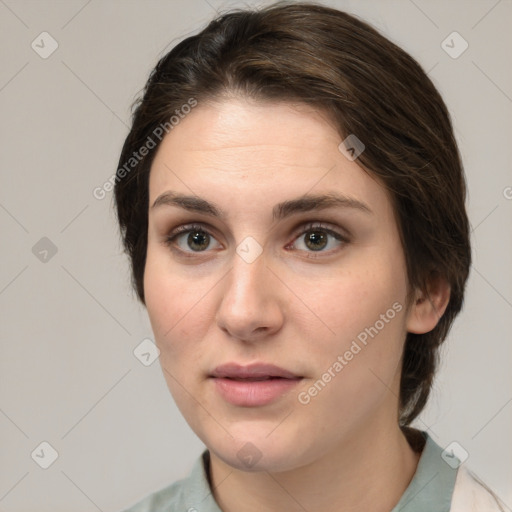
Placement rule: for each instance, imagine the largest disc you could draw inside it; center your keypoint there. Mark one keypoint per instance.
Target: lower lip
(253, 393)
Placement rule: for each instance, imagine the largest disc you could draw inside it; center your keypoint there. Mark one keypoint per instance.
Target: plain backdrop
(69, 321)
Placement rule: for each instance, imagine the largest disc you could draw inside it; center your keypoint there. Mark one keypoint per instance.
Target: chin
(253, 449)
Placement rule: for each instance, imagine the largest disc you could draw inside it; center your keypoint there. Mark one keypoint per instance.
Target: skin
(293, 307)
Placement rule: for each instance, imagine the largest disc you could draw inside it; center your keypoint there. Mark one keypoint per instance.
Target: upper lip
(255, 370)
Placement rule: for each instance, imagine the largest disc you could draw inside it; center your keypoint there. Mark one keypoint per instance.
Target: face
(242, 274)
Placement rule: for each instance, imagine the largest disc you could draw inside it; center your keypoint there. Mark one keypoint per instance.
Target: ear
(427, 309)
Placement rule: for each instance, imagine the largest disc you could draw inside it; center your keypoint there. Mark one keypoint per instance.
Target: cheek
(168, 304)
(365, 311)
(353, 299)
(172, 312)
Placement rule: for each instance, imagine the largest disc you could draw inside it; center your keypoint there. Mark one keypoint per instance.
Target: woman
(291, 198)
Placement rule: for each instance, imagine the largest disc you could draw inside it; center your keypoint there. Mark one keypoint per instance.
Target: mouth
(255, 371)
(255, 385)
(252, 379)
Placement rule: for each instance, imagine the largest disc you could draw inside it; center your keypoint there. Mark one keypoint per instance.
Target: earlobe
(428, 308)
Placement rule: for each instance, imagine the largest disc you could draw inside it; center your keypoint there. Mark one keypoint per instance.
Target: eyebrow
(305, 203)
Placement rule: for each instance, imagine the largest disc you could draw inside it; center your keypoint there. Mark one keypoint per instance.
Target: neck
(369, 471)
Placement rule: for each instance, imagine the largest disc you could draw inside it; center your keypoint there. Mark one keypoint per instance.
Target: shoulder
(470, 494)
(163, 500)
(186, 495)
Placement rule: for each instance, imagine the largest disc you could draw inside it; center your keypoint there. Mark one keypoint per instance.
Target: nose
(251, 307)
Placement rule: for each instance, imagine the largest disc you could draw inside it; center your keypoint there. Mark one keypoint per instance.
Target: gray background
(69, 321)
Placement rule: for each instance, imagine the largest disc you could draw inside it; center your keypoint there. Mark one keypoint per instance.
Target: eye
(190, 239)
(319, 238)
(313, 238)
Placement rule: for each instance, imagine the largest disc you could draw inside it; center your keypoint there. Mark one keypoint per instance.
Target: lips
(253, 372)
(255, 385)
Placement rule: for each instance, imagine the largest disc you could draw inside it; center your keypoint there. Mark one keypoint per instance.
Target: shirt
(438, 484)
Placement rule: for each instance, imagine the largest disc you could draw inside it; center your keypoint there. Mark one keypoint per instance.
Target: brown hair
(308, 53)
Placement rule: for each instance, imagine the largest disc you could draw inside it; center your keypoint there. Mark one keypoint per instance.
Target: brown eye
(316, 240)
(198, 240)
(190, 239)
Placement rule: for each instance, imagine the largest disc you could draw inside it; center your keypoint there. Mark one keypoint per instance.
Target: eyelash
(312, 226)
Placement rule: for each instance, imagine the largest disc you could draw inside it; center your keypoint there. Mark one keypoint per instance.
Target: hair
(306, 53)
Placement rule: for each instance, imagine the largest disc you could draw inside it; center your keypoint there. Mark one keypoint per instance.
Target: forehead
(253, 135)
(240, 121)
(257, 152)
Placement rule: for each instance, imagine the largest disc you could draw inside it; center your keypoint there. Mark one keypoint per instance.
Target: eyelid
(335, 231)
